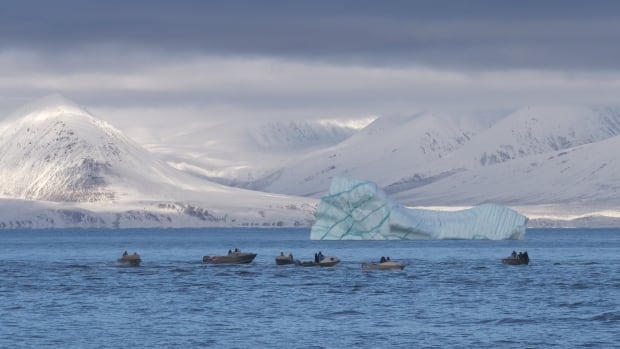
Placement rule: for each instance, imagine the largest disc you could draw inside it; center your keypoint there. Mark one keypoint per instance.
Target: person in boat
(321, 256)
(229, 251)
(290, 256)
(125, 253)
(282, 253)
(236, 249)
(520, 256)
(526, 257)
(514, 254)
(387, 259)
(316, 258)
(382, 259)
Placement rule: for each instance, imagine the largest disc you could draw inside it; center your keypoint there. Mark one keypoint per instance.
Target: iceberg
(360, 210)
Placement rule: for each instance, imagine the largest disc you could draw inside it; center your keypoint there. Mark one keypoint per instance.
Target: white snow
(59, 154)
(359, 210)
(384, 151)
(549, 163)
(241, 153)
(583, 176)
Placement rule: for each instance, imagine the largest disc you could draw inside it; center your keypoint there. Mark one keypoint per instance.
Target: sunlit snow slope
(239, 153)
(384, 151)
(56, 152)
(527, 132)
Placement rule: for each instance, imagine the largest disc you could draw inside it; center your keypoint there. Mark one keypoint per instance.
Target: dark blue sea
(64, 289)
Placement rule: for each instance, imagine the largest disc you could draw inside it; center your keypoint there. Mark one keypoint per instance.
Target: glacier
(360, 210)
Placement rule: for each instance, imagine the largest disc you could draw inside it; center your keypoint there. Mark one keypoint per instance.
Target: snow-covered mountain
(239, 153)
(59, 152)
(548, 161)
(56, 153)
(573, 187)
(536, 130)
(384, 151)
(539, 130)
(526, 132)
(60, 166)
(579, 176)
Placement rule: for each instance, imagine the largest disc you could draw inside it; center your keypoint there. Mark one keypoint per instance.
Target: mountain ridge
(395, 143)
(544, 160)
(59, 153)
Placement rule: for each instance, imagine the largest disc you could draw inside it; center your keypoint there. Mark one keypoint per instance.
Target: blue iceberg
(360, 210)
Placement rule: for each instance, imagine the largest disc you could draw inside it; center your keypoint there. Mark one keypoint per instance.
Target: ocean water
(63, 289)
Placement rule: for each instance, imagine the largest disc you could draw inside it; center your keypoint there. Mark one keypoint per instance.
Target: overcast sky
(155, 63)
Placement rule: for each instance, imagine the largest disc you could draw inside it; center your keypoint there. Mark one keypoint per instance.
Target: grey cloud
(147, 61)
(448, 34)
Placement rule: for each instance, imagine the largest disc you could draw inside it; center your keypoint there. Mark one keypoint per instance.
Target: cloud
(251, 87)
(149, 62)
(442, 34)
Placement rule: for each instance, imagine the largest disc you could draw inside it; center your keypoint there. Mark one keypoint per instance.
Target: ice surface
(360, 210)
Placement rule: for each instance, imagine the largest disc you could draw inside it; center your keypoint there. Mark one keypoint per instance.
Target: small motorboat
(328, 261)
(130, 259)
(514, 259)
(233, 257)
(387, 265)
(285, 260)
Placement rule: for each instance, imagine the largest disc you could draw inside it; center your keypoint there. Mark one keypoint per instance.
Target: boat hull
(383, 266)
(325, 262)
(130, 260)
(233, 258)
(306, 264)
(515, 261)
(284, 260)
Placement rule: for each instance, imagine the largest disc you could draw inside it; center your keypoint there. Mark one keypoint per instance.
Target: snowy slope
(549, 161)
(526, 132)
(58, 152)
(580, 177)
(537, 130)
(238, 153)
(382, 152)
(63, 167)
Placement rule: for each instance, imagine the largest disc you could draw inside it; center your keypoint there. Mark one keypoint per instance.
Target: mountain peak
(57, 151)
(49, 107)
(52, 113)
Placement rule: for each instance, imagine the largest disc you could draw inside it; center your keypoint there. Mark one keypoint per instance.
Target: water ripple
(610, 316)
(452, 294)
